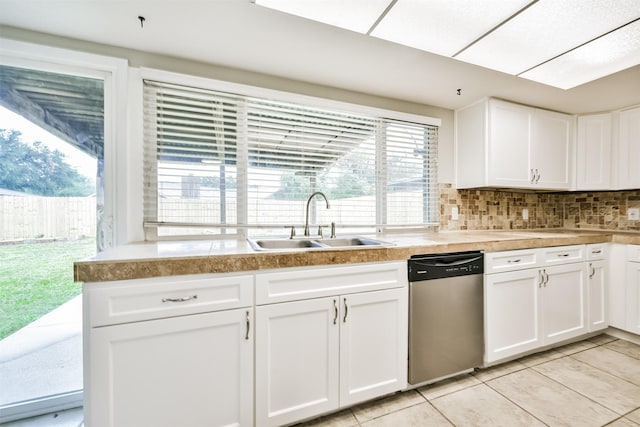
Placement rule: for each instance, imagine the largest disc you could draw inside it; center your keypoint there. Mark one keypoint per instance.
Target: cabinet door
(509, 144)
(551, 149)
(598, 295)
(617, 260)
(189, 371)
(512, 313)
(626, 164)
(373, 344)
(633, 301)
(297, 358)
(593, 153)
(564, 302)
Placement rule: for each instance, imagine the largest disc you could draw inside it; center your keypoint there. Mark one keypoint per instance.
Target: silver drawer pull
(180, 299)
(514, 261)
(563, 255)
(596, 252)
(248, 321)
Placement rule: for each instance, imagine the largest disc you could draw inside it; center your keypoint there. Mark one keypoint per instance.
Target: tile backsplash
(503, 210)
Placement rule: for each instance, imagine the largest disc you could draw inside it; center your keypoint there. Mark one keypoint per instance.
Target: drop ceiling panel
(546, 30)
(354, 15)
(614, 52)
(443, 26)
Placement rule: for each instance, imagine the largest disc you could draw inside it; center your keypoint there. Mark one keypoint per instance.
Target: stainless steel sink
(275, 244)
(351, 241)
(302, 244)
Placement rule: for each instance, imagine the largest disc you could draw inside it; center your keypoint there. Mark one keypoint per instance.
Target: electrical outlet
(525, 214)
(633, 214)
(454, 213)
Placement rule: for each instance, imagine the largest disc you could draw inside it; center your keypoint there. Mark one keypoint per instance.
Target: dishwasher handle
(440, 263)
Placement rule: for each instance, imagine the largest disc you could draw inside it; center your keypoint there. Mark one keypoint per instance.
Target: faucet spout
(306, 221)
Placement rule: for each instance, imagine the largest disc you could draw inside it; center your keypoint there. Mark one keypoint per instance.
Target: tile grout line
(507, 398)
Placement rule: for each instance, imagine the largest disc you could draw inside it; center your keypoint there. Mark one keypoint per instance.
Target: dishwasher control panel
(437, 266)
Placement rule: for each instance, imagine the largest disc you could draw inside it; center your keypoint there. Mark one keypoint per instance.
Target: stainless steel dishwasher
(446, 315)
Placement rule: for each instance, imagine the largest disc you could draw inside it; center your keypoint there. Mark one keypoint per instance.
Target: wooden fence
(33, 217)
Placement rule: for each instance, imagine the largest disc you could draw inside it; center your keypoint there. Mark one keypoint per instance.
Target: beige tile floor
(595, 382)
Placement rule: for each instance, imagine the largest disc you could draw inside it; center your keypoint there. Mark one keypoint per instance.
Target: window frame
(150, 228)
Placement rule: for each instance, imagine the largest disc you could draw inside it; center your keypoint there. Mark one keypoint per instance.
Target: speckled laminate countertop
(146, 259)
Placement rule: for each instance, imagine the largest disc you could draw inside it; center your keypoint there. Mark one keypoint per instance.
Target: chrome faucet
(306, 221)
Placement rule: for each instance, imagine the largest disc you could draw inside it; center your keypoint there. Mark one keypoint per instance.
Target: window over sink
(227, 163)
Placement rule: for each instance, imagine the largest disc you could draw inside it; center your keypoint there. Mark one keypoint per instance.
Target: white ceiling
(239, 34)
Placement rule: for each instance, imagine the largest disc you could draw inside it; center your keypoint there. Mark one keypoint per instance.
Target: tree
(35, 169)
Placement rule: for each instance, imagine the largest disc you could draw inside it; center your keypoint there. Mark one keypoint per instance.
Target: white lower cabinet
(533, 307)
(192, 370)
(169, 351)
(564, 303)
(297, 357)
(512, 313)
(597, 276)
(317, 355)
(633, 289)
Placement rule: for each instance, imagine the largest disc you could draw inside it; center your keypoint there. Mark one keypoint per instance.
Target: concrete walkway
(43, 358)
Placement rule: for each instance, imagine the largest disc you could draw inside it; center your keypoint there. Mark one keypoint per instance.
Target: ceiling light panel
(443, 26)
(614, 52)
(354, 15)
(546, 30)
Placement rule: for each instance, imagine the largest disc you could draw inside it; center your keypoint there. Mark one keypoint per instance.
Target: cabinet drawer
(110, 303)
(563, 254)
(596, 251)
(314, 282)
(633, 253)
(497, 262)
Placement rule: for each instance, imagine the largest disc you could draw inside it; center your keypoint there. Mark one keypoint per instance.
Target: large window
(221, 163)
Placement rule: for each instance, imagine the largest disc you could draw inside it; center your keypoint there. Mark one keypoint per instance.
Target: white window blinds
(217, 162)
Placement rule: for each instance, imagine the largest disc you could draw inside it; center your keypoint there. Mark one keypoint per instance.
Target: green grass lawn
(35, 278)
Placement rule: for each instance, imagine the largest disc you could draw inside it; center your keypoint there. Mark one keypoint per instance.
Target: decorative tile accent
(498, 210)
(603, 210)
(502, 209)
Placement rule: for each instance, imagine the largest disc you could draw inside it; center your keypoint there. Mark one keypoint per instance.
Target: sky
(83, 163)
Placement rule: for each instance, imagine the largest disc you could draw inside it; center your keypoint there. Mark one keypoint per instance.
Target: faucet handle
(293, 232)
(333, 230)
(320, 231)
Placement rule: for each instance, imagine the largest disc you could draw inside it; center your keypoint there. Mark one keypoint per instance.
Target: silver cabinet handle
(537, 176)
(346, 311)
(533, 177)
(180, 299)
(540, 278)
(546, 277)
(599, 251)
(593, 271)
(514, 261)
(335, 311)
(563, 255)
(248, 320)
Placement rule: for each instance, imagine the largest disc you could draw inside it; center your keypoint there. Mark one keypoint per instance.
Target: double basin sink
(309, 243)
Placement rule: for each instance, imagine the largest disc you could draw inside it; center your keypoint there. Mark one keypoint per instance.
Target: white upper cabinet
(509, 138)
(593, 165)
(626, 170)
(502, 144)
(551, 149)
